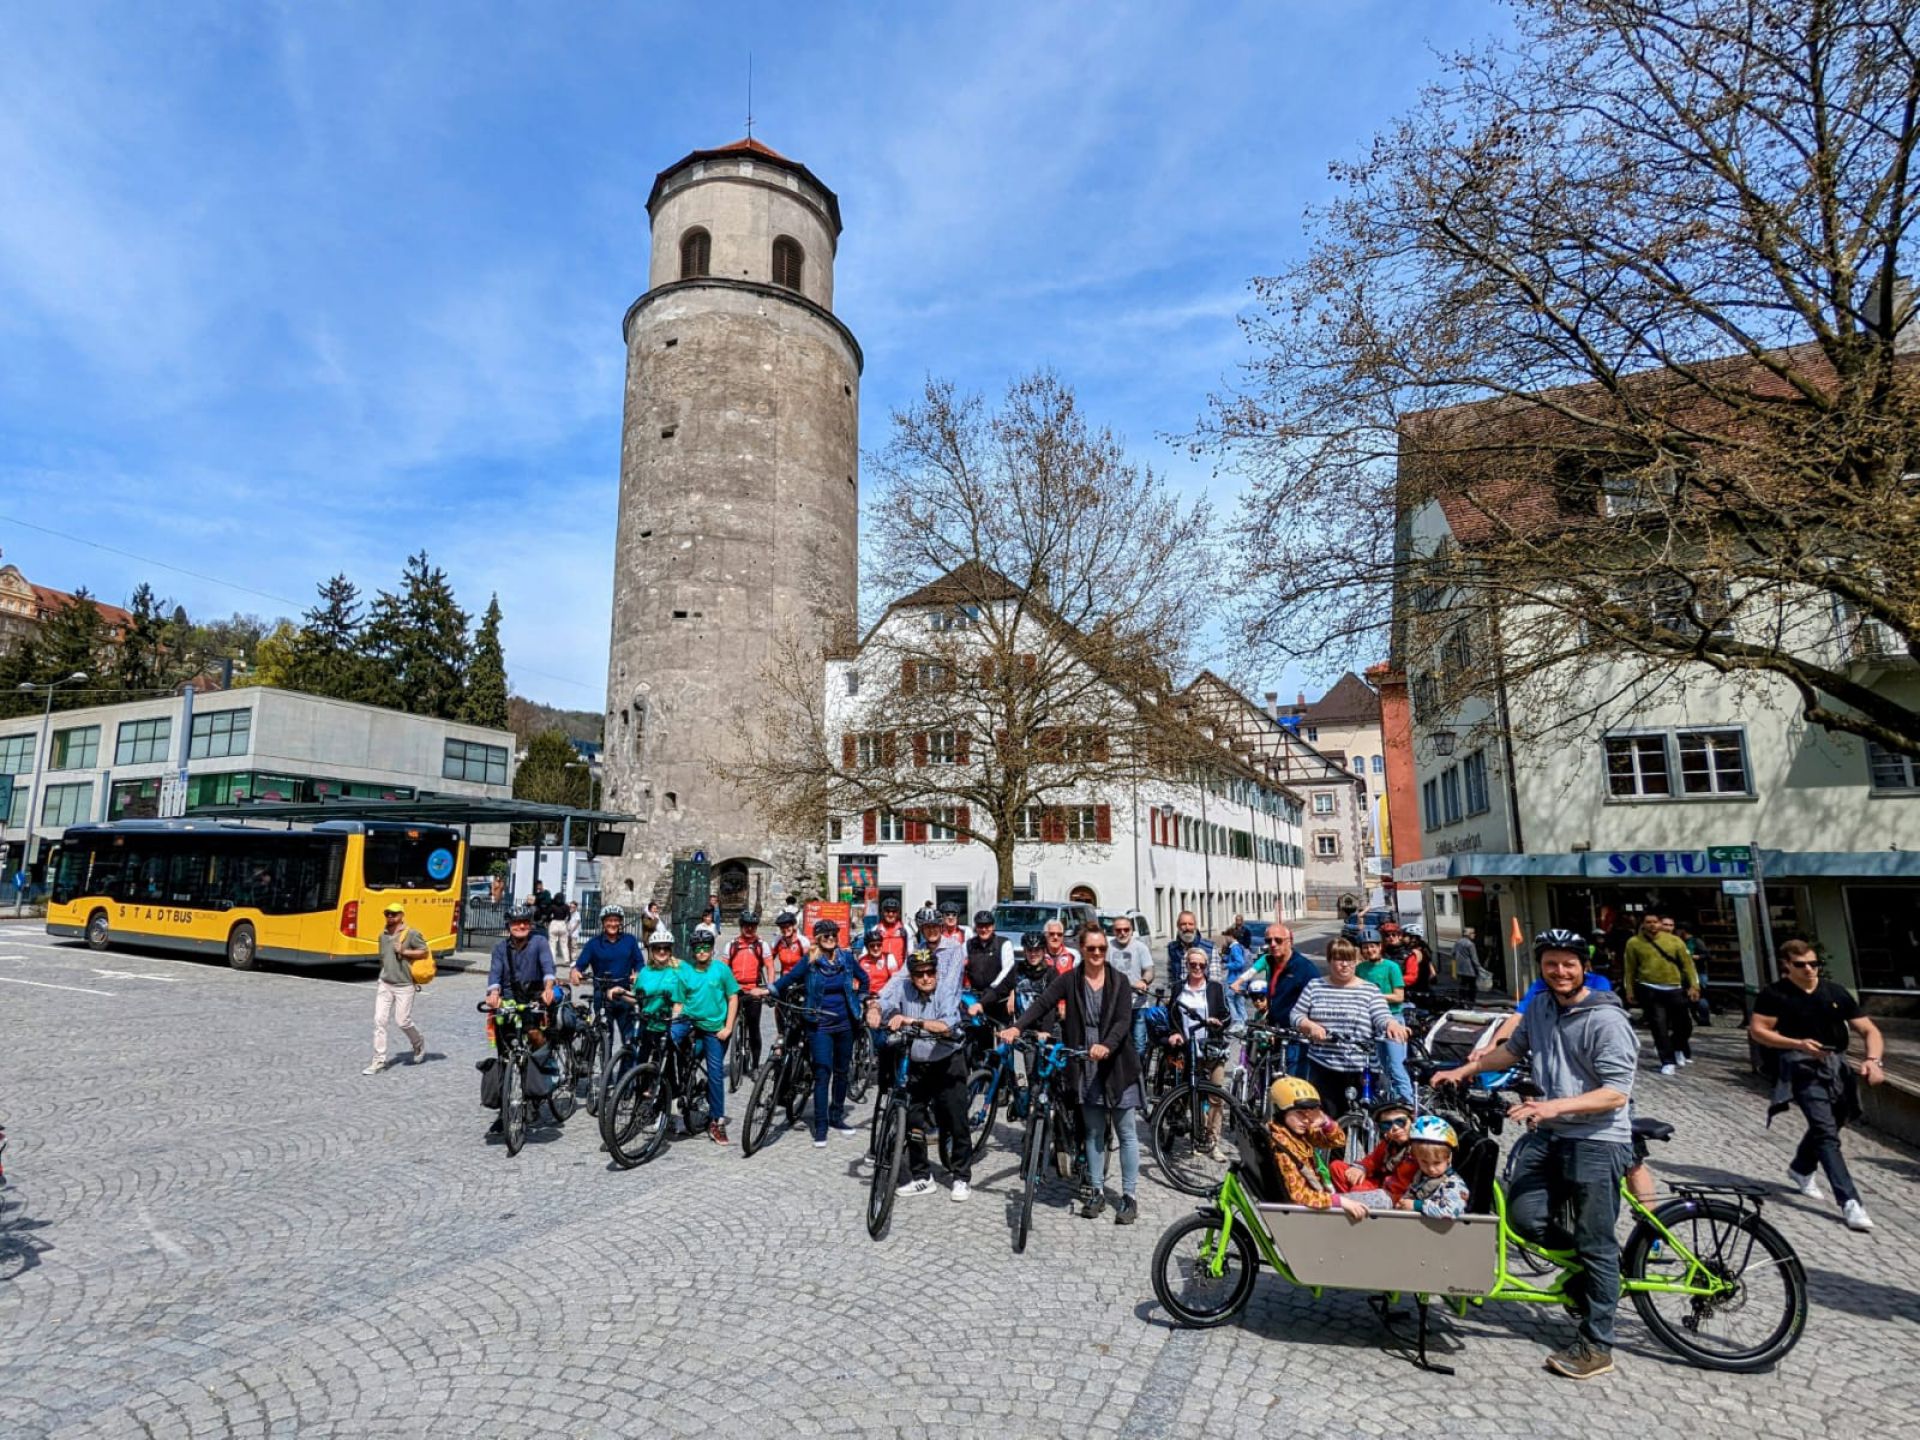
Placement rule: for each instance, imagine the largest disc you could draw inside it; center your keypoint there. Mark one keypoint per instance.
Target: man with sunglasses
(936, 1072)
(1286, 974)
(1809, 1021)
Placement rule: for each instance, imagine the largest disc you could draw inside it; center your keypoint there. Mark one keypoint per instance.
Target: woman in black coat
(1099, 1019)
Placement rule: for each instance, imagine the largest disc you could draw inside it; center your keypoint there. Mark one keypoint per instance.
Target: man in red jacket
(748, 959)
(895, 938)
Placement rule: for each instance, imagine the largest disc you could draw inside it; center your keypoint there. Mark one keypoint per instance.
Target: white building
(1623, 811)
(109, 762)
(1227, 843)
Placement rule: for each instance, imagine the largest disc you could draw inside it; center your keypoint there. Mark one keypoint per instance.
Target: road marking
(134, 975)
(43, 985)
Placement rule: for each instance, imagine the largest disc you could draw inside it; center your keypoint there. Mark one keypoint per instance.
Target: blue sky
(287, 289)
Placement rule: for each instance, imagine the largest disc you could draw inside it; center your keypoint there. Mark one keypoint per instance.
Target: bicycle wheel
(891, 1148)
(762, 1105)
(563, 1098)
(1195, 1287)
(587, 1050)
(861, 1076)
(513, 1104)
(1358, 1125)
(1177, 1128)
(1033, 1159)
(798, 1089)
(1755, 1321)
(984, 1099)
(633, 1123)
(693, 1100)
(736, 1060)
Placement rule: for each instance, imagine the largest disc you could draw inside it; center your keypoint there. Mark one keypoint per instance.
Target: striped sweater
(1357, 1013)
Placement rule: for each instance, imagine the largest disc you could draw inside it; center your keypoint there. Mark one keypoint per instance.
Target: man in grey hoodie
(1583, 1054)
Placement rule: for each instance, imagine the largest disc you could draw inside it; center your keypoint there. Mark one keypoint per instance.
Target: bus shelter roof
(430, 810)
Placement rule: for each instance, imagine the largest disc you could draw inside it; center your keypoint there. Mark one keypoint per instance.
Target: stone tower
(739, 505)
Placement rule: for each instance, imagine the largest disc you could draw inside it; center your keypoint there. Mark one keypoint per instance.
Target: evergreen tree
(141, 665)
(73, 639)
(552, 773)
(485, 702)
(419, 640)
(329, 655)
(18, 666)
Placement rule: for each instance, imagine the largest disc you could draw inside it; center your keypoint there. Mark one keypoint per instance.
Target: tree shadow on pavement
(1869, 1299)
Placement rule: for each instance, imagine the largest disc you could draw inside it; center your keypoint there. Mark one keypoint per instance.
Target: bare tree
(1621, 298)
(1036, 591)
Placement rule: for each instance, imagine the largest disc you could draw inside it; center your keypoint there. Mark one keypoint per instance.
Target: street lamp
(27, 687)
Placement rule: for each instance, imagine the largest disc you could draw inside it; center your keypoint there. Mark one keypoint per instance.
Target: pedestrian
(1060, 955)
(990, 960)
(559, 931)
(1658, 975)
(1098, 1019)
(1696, 947)
(1186, 935)
(895, 938)
(1234, 962)
(1133, 958)
(400, 946)
(1583, 1054)
(1806, 1023)
(1466, 965)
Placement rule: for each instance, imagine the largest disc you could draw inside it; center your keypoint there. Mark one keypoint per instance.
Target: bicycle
(1179, 1125)
(1263, 1059)
(738, 1045)
(597, 1040)
(1053, 1134)
(1697, 1248)
(890, 1137)
(988, 1086)
(635, 1120)
(865, 1067)
(510, 1026)
(785, 1080)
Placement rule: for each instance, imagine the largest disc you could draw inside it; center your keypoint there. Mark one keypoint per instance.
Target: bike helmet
(890, 903)
(1361, 934)
(826, 929)
(1559, 940)
(922, 960)
(874, 937)
(519, 913)
(1290, 1092)
(1033, 940)
(1388, 1105)
(1257, 990)
(660, 936)
(925, 917)
(982, 917)
(614, 910)
(786, 917)
(949, 911)
(1432, 1130)
(749, 917)
(702, 944)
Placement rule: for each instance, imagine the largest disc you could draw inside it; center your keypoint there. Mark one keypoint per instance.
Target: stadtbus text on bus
(306, 896)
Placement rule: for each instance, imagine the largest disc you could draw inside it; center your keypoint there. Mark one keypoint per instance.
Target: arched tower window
(696, 254)
(788, 259)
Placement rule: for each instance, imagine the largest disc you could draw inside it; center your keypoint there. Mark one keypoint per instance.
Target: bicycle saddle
(1646, 1129)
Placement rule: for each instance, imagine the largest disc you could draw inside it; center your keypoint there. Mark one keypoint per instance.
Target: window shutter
(1001, 740)
(1101, 751)
(962, 751)
(890, 749)
(846, 751)
(869, 827)
(919, 747)
(906, 677)
(963, 817)
(986, 670)
(1028, 665)
(916, 827)
(1053, 826)
(1103, 823)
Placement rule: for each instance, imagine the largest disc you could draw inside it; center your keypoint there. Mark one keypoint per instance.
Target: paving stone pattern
(219, 1227)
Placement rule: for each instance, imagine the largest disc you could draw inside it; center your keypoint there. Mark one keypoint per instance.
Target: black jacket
(1216, 1005)
(1112, 1027)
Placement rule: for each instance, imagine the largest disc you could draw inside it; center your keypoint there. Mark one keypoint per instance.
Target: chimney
(1300, 699)
(1900, 313)
(1273, 704)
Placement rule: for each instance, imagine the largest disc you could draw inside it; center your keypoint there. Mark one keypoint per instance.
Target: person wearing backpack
(400, 947)
(751, 965)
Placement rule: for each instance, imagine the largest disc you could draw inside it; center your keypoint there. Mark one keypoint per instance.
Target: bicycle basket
(566, 1021)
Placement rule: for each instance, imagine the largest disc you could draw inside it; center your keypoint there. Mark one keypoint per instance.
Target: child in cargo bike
(1303, 1137)
(1437, 1190)
(1390, 1165)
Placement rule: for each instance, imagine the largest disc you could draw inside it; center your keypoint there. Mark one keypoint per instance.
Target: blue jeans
(1546, 1172)
(1094, 1118)
(1140, 1033)
(709, 1044)
(1392, 1058)
(832, 1052)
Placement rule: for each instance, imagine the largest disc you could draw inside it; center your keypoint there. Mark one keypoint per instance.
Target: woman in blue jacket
(835, 988)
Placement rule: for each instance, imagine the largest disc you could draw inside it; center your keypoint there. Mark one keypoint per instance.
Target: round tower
(739, 506)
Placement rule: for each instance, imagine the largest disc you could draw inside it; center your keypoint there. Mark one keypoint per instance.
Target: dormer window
(696, 254)
(788, 260)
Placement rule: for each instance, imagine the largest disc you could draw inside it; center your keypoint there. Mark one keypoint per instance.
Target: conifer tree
(418, 640)
(485, 701)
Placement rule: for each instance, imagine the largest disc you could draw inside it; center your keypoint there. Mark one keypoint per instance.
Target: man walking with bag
(400, 946)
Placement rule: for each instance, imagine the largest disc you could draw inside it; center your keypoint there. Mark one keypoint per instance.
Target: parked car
(1015, 917)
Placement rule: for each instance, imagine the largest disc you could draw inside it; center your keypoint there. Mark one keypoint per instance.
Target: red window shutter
(906, 677)
(1001, 740)
(1028, 665)
(869, 827)
(1103, 823)
(1153, 825)
(963, 817)
(916, 827)
(962, 751)
(1053, 826)
(890, 749)
(919, 747)
(1101, 750)
(846, 751)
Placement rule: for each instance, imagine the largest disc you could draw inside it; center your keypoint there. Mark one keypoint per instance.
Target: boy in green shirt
(1390, 980)
(709, 1004)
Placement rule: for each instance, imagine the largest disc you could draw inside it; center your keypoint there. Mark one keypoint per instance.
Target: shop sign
(1739, 887)
(1416, 872)
(1667, 863)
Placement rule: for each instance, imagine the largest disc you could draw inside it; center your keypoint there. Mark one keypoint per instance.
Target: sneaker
(1807, 1185)
(1683, 1058)
(820, 1144)
(1094, 1205)
(375, 1068)
(917, 1187)
(1581, 1361)
(419, 1051)
(1127, 1211)
(845, 1129)
(717, 1132)
(1857, 1217)
(1665, 1070)
(961, 1190)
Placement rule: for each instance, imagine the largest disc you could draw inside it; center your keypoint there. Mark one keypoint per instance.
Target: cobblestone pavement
(228, 1230)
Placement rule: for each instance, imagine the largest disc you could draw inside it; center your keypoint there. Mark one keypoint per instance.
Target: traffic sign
(1730, 854)
(1739, 887)
(699, 857)
(1472, 889)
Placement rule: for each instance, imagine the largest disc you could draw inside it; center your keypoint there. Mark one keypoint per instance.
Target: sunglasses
(921, 971)
(1093, 949)
(1804, 964)
(1398, 1122)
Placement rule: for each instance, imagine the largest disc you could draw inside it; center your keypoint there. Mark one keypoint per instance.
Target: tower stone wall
(739, 507)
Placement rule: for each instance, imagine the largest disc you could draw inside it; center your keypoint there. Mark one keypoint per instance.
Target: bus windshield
(411, 859)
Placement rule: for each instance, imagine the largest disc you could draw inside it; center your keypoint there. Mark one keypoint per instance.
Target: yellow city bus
(307, 896)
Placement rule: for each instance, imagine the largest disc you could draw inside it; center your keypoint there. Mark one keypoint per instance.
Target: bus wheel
(241, 952)
(98, 935)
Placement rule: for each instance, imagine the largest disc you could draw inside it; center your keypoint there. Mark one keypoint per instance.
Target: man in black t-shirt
(1810, 1020)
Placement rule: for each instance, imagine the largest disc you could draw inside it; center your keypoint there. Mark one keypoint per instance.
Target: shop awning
(1668, 866)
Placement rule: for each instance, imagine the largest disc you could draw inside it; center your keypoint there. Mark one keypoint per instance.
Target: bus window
(410, 859)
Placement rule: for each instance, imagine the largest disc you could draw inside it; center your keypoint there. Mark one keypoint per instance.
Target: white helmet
(661, 936)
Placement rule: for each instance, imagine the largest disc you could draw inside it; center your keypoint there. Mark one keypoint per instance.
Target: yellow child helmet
(1292, 1093)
